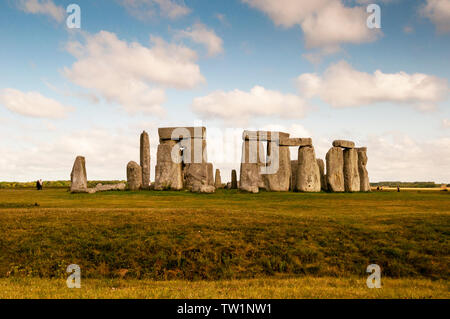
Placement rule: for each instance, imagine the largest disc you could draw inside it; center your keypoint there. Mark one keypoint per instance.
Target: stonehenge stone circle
(234, 184)
(363, 174)
(145, 159)
(351, 173)
(308, 174)
(218, 180)
(335, 170)
(343, 144)
(78, 177)
(323, 179)
(134, 176)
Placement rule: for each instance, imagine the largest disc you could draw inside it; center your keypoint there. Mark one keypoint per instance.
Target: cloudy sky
(310, 68)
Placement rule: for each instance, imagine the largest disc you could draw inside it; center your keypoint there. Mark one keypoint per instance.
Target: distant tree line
(408, 184)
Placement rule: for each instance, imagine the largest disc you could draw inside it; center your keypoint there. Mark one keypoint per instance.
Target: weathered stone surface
(110, 187)
(335, 170)
(200, 188)
(177, 133)
(134, 176)
(362, 170)
(218, 180)
(323, 179)
(234, 184)
(196, 173)
(343, 144)
(210, 172)
(249, 177)
(78, 177)
(294, 166)
(169, 151)
(264, 136)
(308, 174)
(278, 179)
(168, 175)
(145, 159)
(351, 174)
(297, 141)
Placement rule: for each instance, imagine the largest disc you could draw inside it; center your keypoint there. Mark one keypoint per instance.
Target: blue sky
(227, 65)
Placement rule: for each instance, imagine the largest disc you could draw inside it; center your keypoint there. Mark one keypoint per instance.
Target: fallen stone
(296, 141)
(78, 177)
(177, 133)
(351, 174)
(308, 174)
(362, 170)
(335, 170)
(110, 187)
(196, 173)
(145, 159)
(134, 176)
(200, 188)
(323, 179)
(343, 144)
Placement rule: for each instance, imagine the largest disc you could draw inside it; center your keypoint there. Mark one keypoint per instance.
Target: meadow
(228, 244)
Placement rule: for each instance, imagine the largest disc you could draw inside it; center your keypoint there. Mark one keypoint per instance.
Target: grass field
(228, 244)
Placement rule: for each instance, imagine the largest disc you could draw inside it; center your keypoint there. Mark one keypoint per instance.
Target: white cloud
(326, 24)
(45, 7)
(446, 123)
(32, 104)
(438, 11)
(241, 106)
(343, 86)
(146, 9)
(131, 74)
(199, 33)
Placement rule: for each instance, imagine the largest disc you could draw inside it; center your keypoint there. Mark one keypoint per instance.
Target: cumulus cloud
(32, 104)
(438, 11)
(146, 9)
(241, 106)
(326, 24)
(131, 74)
(45, 7)
(343, 86)
(199, 33)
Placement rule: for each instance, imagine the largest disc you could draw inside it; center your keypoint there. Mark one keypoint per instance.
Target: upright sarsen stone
(335, 170)
(134, 176)
(234, 184)
(145, 159)
(323, 179)
(308, 174)
(278, 167)
(78, 177)
(218, 180)
(168, 170)
(363, 174)
(351, 174)
(250, 174)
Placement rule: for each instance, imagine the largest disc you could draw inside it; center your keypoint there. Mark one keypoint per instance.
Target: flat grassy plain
(229, 244)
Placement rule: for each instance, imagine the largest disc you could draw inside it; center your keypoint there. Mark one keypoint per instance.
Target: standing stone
(249, 178)
(363, 174)
(210, 177)
(168, 170)
(78, 177)
(145, 159)
(351, 174)
(279, 180)
(308, 174)
(250, 174)
(218, 180)
(234, 184)
(134, 176)
(323, 179)
(294, 166)
(199, 175)
(335, 170)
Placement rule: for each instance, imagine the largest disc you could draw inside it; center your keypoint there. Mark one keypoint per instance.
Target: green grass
(179, 236)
